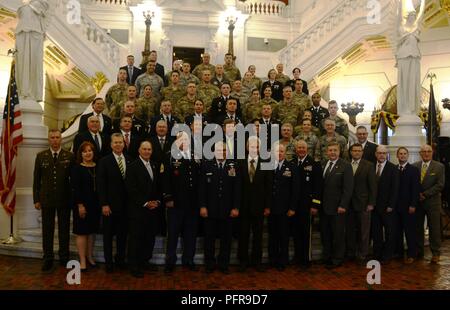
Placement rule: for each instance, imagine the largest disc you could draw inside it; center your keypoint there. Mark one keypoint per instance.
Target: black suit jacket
(132, 150)
(256, 195)
(310, 183)
(409, 188)
(86, 136)
(111, 187)
(387, 188)
(218, 109)
(139, 126)
(272, 122)
(285, 189)
(188, 120)
(277, 90)
(337, 188)
(365, 188)
(220, 191)
(107, 126)
(369, 152)
(136, 72)
(161, 155)
(317, 117)
(141, 188)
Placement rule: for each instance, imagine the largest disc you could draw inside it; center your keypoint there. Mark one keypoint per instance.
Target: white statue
(30, 35)
(408, 58)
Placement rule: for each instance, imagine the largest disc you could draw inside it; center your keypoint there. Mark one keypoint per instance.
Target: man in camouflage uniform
(186, 76)
(207, 91)
(238, 93)
(146, 106)
(131, 96)
(269, 100)
(198, 71)
(287, 140)
(328, 137)
(219, 77)
(118, 92)
(150, 78)
(281, 77)
(341, 124)
(175, 67)
(252, 110)
(51, 195)
(298, 129)
(185, 106)
(308, 136)
(287, 110)
(231, 71)
(248, 85)
(300, 97)
(256, 80)
(174, 92)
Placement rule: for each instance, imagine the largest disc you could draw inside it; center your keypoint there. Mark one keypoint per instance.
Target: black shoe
(47, 266)
(83, 269)
(63, 262)
(209, 269)
(91, 265)
(109, 268)
(121, 265)
(281, 267)
(192, 267)
(150, 267)
(243, 268)
(225, 270)
(137, 274)
(169, 269)
(333, 266)
(260, 268)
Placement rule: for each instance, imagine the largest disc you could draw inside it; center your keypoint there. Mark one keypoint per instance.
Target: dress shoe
(243, 268)
(409, 260)
(83, 269)
(435, 259)
(305, 266)
(63, 262)
(281, 267)
(169, 269)
(333, 266)
(225, 270)
(121, 265)
(260, 268)
(385, 262)
(190, 266)
(91, 265)
(150, 267)
(209, 269)
(109, 268)
(137, 274)
(47, 266)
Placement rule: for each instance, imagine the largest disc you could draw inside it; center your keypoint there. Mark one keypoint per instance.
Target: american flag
(11, 137)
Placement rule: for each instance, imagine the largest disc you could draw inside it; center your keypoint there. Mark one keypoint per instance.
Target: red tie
(127, 139)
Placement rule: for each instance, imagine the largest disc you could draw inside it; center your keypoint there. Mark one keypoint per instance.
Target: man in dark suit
(310, 195)
(318, 112)
(361, 206)
(432, 179)
(112, 196)
(159, 69)
(369, 148)
(166, 115)
(98, 105)
(383, 217)
(180, 190)
(271, 123)
(255, 205)
(284, 201)
(220, 196)
(230, 112)
(337, 193)
(131, 139)
(218, 105)
(407, 203)
(93, 135)
(132, 71)
(144, 199)
(162, 144)
(139, 127)
(51, 195)
(296, 72)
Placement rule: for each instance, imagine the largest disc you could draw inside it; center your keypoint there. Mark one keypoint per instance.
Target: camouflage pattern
(311, 140)
(173, 95)
(243, 98)
(289, 113)
(116, 94)
(282, 78)
(341, 125)
(232, 73)
(273, 103)
(303, 100)
(298, 130)
(198, 71)
(257, 82)
(251, 111)
(207, 92)
(185, 107)
(116, 111)
(247, 88)
(154, 80)
(321, 147)
(146, 108)
(185, 80)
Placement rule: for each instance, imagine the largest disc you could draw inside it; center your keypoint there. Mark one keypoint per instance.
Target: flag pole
(12, 239)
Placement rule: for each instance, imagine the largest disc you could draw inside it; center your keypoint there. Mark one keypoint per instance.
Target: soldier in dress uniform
(51, 195)
(318, 113)
(220, 196)
(180, 195)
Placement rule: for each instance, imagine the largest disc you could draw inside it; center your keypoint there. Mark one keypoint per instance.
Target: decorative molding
(98, 81)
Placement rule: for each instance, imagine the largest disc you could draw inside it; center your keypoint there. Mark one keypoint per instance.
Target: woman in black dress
(86, 215)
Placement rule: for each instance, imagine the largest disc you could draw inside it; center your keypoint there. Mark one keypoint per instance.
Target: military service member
(231, 71)
(341, 124)
(176, 66)
(205, 65)
(219, 77)
(287, 110)
(118, 108)
(253, 108)
(256, 80)
(207, 91)
(281, 77)
(238, 93)
(186, 76)
(146, 105)
(248, 85)
(287, 140)
(318, 113)
(150, 78)
(174, 92)
(118, 92)
(330, 136)
(51, 195)
(308, 137)
(300, 97)
(307, 114)
(185, 106)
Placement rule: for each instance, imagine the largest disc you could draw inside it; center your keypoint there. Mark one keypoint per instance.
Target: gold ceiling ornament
(98, 81)
(445, 5)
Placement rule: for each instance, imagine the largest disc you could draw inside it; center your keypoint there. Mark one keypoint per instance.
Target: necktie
(127, 140)
(232, 117)
(401, 168)
(423, 172)
(55, 157)
(149, 169)
(328, 170)
(97, 142)
(130, 73)
(161, 142)
(230, 146)
(379, 170)
(252, 171)
(220, 166)
(121, 167)
(354, 166)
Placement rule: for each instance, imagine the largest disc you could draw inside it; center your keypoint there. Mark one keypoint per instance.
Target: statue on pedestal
(30, 36)
(408, 57)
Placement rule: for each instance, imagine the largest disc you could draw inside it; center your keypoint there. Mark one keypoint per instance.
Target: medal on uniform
(161, 168)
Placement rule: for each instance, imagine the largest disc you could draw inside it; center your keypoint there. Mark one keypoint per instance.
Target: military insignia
(308, 168)
(287, 173)
(161, 168)
(232, 172)
(307, 178)
(138, 127)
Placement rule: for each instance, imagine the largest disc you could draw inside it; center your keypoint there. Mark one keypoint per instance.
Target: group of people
(129, 177)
